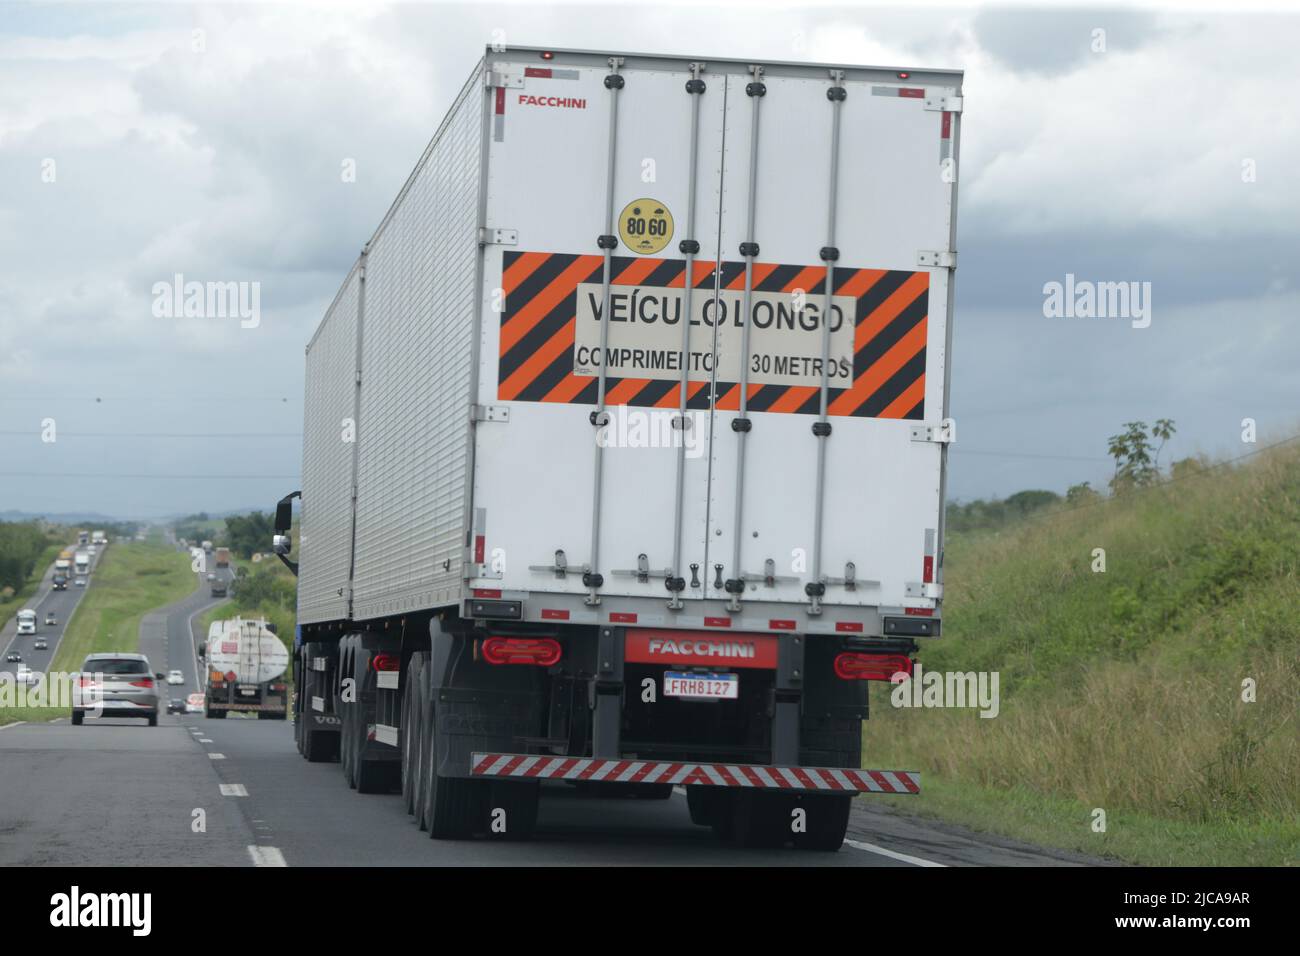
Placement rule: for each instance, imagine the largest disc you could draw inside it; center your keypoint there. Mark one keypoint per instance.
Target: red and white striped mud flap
(685, 774)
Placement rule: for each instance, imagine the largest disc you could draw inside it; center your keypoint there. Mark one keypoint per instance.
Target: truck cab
(27, 621)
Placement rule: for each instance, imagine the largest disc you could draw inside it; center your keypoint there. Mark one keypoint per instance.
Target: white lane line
(217, 756)
(266, 856)
(903, 857)
(234, 790)
(205, 740)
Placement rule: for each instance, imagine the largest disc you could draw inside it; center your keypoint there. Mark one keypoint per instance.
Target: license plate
(704, 686)
(248, 691)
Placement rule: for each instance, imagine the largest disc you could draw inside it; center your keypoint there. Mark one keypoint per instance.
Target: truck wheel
(827, 822)
(153, 720)
(348, 714)
(411, 682)
(215, 714)
(451, 805)
(511, 809)
(704, 804)
(761, 819)
(77, 717)
(653, 791)
(319, 746)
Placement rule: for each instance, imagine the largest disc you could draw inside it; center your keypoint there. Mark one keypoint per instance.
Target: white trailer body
(82, 561)
(641, 382)
(464, 348)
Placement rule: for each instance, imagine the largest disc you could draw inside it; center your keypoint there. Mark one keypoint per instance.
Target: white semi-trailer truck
(625, 443)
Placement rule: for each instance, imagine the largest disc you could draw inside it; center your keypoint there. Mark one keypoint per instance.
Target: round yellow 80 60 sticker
(645, 226)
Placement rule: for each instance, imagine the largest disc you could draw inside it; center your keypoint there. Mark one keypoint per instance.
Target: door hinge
(941, 434)
(943, 101)
(918, 589)
(936, 259)
(489, 413)
(492, 236)
(495, 78)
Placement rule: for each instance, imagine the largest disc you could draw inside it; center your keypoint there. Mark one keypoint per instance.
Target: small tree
(1136, 462)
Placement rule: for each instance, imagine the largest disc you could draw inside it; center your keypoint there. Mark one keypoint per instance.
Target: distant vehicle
(64, 565)
(175, 677)
(117, 685)
(98, 537)
(81, 582)
(211, 576)
(217, 588)
(40, 645)
(60, 582)
(51, 620)
(83, 538)
(207, 545)
(13, 656)
(90, 550)
(176, 706)
(26, 675)
(82, 562)
(223, 557)
(26, 621)
(245, 669)
(194, 704)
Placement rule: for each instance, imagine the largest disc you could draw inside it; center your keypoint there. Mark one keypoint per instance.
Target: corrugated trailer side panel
(418, 353)
(326, 522)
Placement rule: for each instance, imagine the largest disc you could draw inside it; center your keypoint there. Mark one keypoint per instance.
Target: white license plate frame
(716, 685)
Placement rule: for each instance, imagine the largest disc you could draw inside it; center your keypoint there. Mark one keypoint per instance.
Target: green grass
(130, 581)
(1123, 690)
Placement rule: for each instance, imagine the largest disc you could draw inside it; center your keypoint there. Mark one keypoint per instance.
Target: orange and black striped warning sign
(551, 323)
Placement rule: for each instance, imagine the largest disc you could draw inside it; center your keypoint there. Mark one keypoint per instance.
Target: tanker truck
(245, 662)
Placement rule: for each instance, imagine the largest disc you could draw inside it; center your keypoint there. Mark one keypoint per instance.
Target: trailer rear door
(856, 174)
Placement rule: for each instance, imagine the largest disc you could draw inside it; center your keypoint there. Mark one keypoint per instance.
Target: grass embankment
(129, 581)
(1123, 690)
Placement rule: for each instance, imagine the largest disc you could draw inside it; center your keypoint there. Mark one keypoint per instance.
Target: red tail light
(142, 682)
(542, 651)
(854, 666)
(277, 687)
(385, 662)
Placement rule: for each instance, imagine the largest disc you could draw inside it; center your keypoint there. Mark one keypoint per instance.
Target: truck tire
(319, 746)
(704, 804)
(77, 717)
(450, 805)
(827, 822)
(214, 714)
(761, 819)
(653, 791)
(411, 681)
(347, 712)
(153, 720)
(512, 809)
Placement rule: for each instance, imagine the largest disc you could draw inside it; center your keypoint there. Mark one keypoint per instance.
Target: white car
(81, 582)
(175, 677)
(26, 675)
(194, 704)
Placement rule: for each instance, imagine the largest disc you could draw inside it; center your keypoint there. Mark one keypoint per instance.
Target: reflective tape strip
(823, 779)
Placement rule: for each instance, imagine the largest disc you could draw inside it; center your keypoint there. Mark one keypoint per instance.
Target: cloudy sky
(133, 147)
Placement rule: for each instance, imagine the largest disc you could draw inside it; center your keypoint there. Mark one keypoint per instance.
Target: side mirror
(203, 649)
(284, 513)
(281, 544)
(159, 675)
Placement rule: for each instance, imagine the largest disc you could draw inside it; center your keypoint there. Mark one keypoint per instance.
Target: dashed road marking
(205, 740)
(217, 756)
(266, 856)
(234, 790)
(892, 854)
